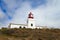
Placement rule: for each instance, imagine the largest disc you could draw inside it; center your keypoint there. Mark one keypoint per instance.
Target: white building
(30, 23)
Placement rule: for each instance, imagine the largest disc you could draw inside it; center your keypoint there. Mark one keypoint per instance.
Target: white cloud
(21, 13)
(3, 19)
(1, 14)
(45, 15)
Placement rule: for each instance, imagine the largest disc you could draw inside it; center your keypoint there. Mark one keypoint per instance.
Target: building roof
(18, 24)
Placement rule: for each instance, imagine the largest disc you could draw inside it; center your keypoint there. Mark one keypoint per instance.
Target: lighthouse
(30, 23)
(31, 20)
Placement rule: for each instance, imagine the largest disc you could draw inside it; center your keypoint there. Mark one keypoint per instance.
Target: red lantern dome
(30, 15)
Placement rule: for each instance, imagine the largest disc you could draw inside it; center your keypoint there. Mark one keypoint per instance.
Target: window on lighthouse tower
(31, 24)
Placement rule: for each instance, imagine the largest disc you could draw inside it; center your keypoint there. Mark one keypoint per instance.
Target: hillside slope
(29, 34)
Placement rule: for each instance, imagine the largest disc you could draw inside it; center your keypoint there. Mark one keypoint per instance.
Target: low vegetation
(29, 34)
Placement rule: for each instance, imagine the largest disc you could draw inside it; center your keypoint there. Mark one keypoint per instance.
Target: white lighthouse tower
(31, 21)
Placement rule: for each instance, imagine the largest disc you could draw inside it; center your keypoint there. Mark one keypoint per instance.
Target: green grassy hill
(29, 34)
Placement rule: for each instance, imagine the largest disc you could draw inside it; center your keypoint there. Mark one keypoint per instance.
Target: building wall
(31, 21)
(22, 26)
(17, 26)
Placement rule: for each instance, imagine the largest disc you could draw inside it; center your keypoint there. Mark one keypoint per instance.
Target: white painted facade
(30, 23)
(12, 25)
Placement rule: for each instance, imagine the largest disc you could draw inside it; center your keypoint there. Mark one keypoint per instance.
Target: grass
(29, 34)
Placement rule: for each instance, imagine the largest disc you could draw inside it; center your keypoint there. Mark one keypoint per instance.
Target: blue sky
(46, 12)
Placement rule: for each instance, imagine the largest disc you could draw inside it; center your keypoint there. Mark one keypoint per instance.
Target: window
(23, 27)
(31, 24)
(20, 27)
